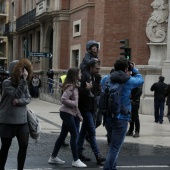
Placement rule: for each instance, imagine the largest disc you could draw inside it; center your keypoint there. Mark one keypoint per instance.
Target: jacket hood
(119, 77)
(11, 66)
(15, 68)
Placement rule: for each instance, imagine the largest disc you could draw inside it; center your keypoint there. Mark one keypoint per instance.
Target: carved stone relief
(157, 24)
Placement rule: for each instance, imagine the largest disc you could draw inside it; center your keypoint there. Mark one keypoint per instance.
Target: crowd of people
(81, 89)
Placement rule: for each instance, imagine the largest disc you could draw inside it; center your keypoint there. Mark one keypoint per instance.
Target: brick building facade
(64, 27)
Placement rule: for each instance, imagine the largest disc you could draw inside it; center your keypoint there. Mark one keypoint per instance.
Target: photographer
(117, 126)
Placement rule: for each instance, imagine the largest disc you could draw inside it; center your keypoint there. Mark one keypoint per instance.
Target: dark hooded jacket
(15, 87)
(129, 84)
(88, 60)
(159, 90)
(86, 103)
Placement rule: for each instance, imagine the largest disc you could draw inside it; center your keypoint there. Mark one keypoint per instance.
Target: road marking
(145, 166)
(101, 167)
(36, 169)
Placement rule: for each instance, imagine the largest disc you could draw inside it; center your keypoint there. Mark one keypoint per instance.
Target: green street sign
(39, 54)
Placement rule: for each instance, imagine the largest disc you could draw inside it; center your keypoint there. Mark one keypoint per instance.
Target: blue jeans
(35, 91)
(116, 129)
(88, 125)
(159, 110)
(68, 125)
(50, 83)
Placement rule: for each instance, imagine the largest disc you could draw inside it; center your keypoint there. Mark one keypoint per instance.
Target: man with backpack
(117, 114)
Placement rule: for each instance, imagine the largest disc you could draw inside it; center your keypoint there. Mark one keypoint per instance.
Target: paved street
(150, 151)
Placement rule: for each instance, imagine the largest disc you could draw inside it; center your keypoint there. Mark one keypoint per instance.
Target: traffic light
(127, 50)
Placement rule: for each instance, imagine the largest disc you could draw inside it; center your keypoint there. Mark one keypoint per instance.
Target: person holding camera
(13, 111)
(116, 126)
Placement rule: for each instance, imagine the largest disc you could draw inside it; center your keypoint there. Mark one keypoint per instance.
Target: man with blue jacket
(117, 126)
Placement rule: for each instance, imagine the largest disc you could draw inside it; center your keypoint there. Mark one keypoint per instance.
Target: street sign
(39, 54)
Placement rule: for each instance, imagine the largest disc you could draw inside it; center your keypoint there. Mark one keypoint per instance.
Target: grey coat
(9, 113)
(14, 114)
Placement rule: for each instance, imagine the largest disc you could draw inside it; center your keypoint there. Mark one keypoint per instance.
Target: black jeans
(23, 144)
(135, 122)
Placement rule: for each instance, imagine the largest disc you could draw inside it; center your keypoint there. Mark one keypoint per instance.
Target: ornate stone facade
(157, 24)
(157, 31)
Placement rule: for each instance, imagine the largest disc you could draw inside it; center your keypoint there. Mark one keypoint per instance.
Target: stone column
(56, 43)
(42, 60)
(156, 32)
(166, 64)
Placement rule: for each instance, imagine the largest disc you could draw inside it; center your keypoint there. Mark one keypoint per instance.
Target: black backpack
(110, 99)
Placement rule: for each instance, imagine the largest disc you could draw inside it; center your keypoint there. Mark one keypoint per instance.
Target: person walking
(76, 119)
(88, 108)
(13, 111)
(159, 99)
(116, 125)
(135, 122)
(68, 111)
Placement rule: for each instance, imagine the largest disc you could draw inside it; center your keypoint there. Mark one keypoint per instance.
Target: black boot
(82, 157)
(99, 159)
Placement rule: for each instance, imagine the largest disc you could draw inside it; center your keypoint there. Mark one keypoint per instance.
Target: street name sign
(39, 54)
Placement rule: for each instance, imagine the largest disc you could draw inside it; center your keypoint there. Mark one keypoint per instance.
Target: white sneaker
(79, 164)
(55, 160)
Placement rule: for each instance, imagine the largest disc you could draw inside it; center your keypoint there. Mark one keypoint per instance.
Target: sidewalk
(151, 133)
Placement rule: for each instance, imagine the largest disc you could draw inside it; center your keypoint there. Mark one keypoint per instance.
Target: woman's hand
(15, 102)
(25, 73)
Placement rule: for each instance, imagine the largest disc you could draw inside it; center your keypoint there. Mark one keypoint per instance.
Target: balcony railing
(26, 19)
(1, 30)
(7, 28)
(10, 27)
(2, 8)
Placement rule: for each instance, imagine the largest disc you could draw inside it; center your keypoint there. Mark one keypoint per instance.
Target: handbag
(33, 124)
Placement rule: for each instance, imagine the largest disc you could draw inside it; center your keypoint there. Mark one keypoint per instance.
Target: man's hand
(89, 85)
(96, 59)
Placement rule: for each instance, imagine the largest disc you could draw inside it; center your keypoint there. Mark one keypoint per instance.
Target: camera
(130, 66)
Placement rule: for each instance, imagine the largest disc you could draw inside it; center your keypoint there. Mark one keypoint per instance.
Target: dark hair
(112, 70)
(161, 78)
(72, 76)
(121, 64)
